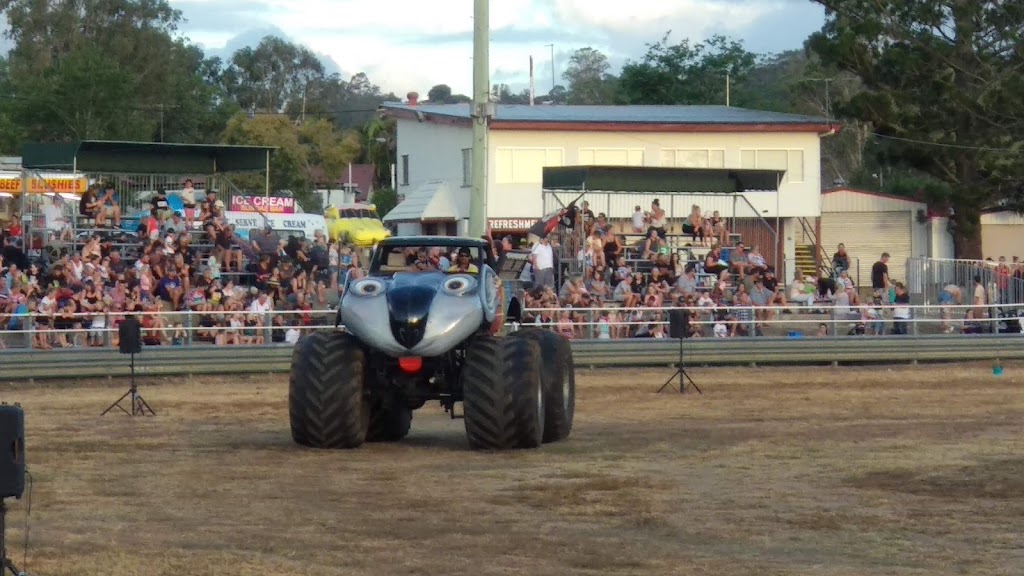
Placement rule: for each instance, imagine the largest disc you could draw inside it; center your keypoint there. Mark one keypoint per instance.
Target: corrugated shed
(849, 200)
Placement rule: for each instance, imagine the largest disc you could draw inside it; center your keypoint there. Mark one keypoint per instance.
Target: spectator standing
(542, 259)
(880, 278)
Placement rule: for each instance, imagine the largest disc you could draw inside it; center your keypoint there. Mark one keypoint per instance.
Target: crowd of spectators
(198, 284)
(620, 290)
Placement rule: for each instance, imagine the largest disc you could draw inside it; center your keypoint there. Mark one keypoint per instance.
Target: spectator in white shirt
(542, 258)
(261, 305)
(56, 220)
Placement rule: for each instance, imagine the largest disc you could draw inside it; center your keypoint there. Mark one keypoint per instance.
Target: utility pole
(728, 85)
(482, 111)
(552, 46)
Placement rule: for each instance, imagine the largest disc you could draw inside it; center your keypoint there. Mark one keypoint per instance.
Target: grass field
(816, 471)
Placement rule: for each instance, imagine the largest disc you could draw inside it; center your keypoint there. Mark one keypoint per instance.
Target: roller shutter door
(867, 235)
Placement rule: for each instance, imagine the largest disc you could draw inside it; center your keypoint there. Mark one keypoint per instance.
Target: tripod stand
(681, 374)
(6, 565)
(139, 406)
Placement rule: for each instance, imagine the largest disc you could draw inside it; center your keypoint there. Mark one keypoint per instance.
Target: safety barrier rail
(245, 326)
(75, 364)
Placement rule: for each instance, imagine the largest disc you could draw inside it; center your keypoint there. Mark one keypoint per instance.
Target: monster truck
(412, 333)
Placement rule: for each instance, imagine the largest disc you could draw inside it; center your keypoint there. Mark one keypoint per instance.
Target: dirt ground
(815, 471)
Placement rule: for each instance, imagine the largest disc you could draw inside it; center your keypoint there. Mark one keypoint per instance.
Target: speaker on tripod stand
(679, 328)
(130, 342)
(12, 473)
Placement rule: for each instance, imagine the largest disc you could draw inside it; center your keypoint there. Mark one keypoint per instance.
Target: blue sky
(405, 45)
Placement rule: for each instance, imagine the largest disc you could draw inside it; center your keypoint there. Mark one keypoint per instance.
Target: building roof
(667, 118)
(431, 201)
(362, 179)
(116, 157)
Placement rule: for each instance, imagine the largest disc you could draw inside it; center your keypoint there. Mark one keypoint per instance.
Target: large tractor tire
(389, 424)
(327, 405)
(559, 378)
(502, 395)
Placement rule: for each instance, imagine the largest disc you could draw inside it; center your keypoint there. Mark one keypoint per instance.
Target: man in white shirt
(261, 305)
(542, 259)
(639, 221)
(56, 221)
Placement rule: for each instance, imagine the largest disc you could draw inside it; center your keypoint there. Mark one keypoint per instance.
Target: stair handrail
(821, 259)
(758, 216)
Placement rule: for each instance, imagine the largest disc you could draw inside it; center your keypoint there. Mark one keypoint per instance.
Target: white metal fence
(188, 328)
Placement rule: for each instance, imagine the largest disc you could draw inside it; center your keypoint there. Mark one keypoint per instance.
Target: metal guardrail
(21, 365)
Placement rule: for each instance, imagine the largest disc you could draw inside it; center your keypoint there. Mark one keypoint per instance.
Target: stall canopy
(645, 179)
(114, 157)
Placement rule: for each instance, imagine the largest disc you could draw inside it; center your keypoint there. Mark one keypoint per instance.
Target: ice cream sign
(264, 204)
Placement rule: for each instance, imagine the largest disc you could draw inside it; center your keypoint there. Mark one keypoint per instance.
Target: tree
(442, 94)
(385, 200)
(686, 74)
(273, 75)
(84, 95)
(306, 152)
(942, 84)
(503, 94)
(106, 69)
(588, 78)
(380, 145)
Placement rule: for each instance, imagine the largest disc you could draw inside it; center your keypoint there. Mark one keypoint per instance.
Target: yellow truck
(357, 224)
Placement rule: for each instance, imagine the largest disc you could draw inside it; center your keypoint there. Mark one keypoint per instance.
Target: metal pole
(553, 83)
(481, 116)
(266, 182)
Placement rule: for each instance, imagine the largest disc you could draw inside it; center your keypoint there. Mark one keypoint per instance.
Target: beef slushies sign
(265, 204)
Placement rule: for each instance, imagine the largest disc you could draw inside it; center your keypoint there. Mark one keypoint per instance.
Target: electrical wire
(943, 145)
(169, 108)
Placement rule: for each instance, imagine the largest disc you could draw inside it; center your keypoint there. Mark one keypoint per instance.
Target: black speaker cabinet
(678, 323)
(129, 336)
(12, 451)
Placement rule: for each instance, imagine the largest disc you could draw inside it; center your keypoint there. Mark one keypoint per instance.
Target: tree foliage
(942, 82)
(686, 73)
(588, 78)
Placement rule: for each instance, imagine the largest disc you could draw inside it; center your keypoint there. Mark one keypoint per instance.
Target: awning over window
(651, 179)
(431, 201)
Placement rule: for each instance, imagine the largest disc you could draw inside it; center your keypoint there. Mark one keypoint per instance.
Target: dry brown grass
(814, 471)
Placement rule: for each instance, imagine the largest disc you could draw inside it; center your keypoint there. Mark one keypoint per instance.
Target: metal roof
(618, 114)
(117, 157)
(661, 180)
(430, 201)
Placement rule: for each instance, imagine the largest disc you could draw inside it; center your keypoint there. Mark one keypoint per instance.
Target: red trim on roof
(498, 124)
(870, 193)
(648, 127)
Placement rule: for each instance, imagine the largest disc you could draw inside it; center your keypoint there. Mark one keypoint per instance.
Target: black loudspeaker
(130, 336)
(678, 323)
(12, 451)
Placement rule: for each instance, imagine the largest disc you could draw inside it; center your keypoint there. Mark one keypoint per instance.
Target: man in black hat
(462, 264)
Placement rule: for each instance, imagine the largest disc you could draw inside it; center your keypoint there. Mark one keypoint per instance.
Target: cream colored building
(435, 145)
(870, 223)
(1002, 234)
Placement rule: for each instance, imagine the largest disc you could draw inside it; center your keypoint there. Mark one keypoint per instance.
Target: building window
(405, 170)
(611, 156)
(467, 166)
(695, 158)
(792, 161)
(525, 165)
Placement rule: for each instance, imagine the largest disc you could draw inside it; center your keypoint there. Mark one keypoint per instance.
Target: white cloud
(412, 45)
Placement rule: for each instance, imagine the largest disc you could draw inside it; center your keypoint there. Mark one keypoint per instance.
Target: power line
(943, 145)
(157, 107)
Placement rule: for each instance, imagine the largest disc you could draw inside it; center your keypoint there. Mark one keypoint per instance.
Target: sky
(406, 45)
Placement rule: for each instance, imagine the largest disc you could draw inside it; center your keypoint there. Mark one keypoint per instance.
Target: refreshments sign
(510, 224)
(265, 204)
(68, 185)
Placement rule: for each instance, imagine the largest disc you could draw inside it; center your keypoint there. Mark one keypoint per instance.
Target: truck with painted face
(425, 324)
